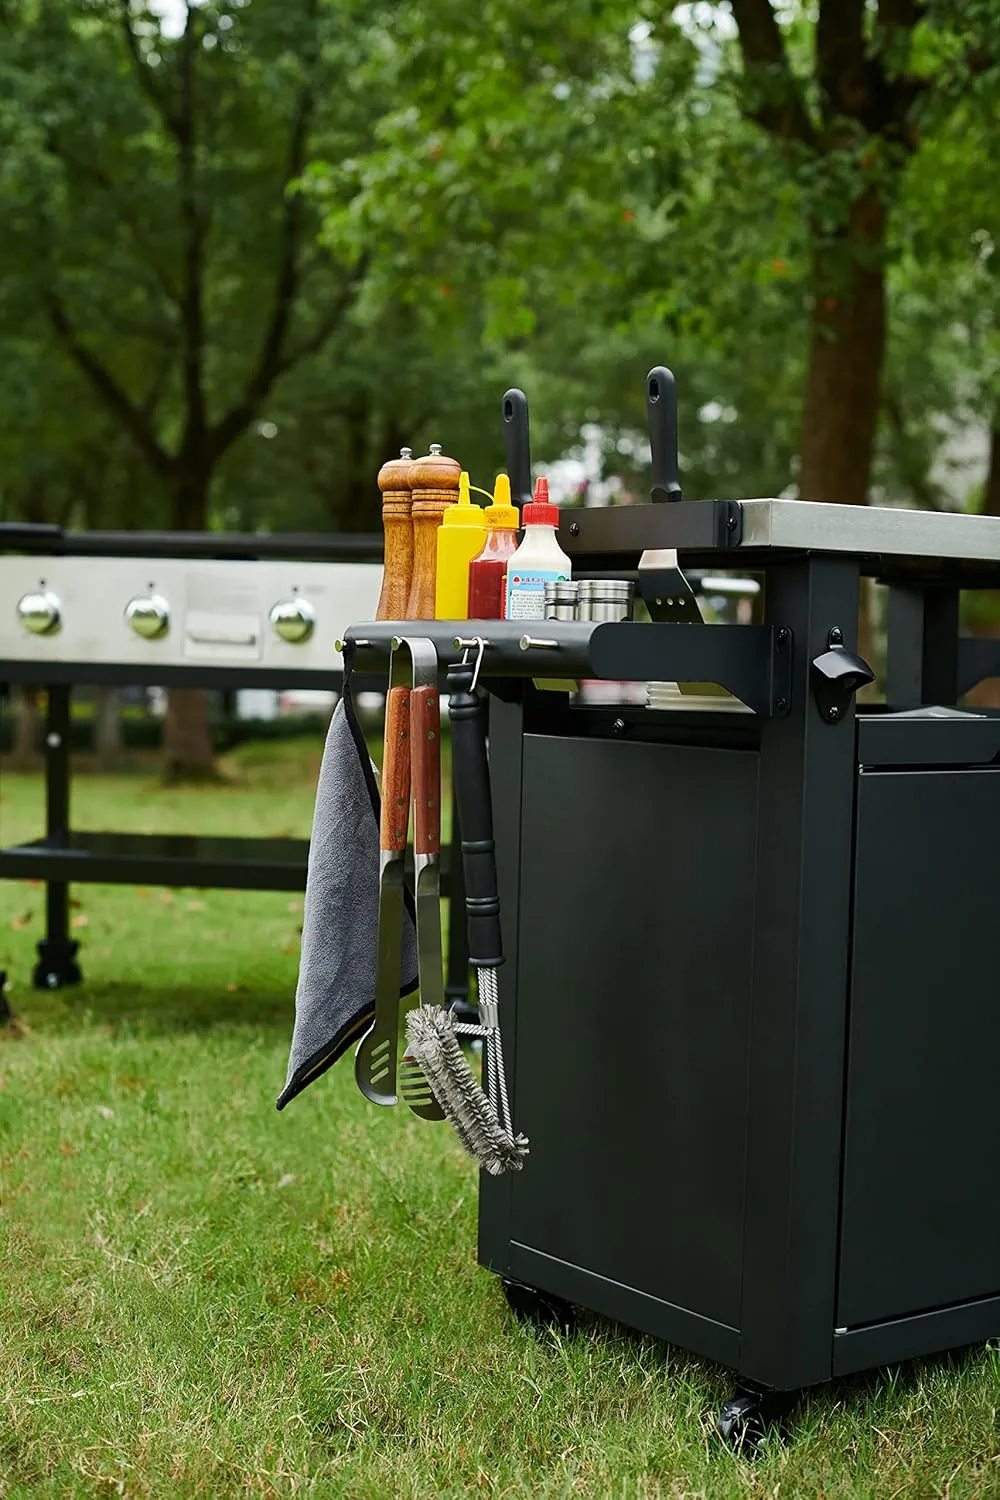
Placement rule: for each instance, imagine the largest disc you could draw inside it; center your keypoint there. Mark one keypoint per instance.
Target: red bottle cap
(539, 511)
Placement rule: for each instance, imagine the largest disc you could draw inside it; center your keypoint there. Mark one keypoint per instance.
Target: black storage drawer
(921, 1215)
(635, 942)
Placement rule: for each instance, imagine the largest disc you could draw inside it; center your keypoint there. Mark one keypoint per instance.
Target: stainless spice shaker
(560, 599)
(603, 599)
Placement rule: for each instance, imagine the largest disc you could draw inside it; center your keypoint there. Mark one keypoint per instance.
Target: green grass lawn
(202, 1297)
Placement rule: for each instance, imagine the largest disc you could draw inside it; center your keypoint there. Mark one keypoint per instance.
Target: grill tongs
(412, 739)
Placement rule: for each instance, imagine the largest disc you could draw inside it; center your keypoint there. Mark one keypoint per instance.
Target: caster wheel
(542, 1309)
(741, 1424)
(748, 1417)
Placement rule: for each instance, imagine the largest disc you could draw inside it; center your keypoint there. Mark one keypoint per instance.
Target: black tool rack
(64, 855)
(749, 998)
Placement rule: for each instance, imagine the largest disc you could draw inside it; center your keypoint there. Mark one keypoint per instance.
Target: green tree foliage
(152, 227)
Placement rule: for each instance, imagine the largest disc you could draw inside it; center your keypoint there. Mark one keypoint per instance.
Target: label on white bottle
(526, 591)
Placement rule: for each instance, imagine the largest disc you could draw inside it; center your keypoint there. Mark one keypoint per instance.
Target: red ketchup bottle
(488, 571)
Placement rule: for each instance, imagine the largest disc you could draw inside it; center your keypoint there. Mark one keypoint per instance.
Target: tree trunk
(843, 386)
(187, 739)
(107, 729)
(25, 748)
(845, 359)
(987, 694)
(991, 499)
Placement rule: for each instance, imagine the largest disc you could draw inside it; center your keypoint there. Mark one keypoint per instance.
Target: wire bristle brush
(481, 1119)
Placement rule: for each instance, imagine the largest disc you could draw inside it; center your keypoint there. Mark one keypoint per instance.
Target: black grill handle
(471, 772)
(28, 534)
(661, 410)
(517, 444)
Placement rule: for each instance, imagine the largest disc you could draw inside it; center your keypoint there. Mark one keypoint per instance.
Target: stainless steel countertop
(804, 525)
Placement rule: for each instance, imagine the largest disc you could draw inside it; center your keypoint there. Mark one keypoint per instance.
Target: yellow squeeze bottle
(460, 538)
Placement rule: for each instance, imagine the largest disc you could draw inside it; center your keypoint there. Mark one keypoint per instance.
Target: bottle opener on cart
(425, 777)
(375, 1060)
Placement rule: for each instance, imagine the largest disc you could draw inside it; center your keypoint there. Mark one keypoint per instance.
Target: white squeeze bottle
(538, 560)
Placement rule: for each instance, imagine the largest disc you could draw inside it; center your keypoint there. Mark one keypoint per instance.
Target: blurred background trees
(251, 247)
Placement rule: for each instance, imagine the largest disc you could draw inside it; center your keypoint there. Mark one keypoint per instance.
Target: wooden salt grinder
(397, 570)
(434, 486)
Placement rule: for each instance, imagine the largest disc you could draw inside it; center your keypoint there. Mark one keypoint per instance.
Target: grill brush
(482, 1120)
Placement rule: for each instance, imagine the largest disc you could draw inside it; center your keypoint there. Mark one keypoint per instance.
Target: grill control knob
(293, 619)
(148, 615)
(40, 613)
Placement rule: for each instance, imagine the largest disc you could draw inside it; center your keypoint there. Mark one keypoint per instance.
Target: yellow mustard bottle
(460, 538)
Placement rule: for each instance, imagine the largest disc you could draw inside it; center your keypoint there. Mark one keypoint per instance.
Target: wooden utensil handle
(396, 771)
(425, 743)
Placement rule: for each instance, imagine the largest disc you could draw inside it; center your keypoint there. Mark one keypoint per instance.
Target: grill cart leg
(57, 952)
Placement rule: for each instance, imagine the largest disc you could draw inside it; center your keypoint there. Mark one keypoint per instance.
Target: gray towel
(335, 996)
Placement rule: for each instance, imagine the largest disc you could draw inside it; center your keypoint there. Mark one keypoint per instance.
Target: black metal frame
(63, 855)
(52, 541)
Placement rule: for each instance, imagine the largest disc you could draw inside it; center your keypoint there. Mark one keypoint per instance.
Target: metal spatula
(375, 1059)
(669, 597)
(425, 775)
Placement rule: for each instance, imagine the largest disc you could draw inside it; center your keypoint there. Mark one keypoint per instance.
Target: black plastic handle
(661, 410)
(517, 444)
(471, 770)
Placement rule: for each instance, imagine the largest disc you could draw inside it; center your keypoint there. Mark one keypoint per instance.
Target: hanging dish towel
(335, 996)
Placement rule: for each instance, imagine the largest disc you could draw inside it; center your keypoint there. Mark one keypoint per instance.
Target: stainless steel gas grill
(197, 610)
(749, 995)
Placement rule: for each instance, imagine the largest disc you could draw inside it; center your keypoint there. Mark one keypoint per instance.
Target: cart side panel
(633, 997)
(921, 1219)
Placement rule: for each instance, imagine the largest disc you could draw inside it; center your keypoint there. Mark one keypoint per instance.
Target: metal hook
(465, 646)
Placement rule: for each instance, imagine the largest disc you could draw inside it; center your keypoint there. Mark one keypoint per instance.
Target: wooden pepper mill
(434, 486)
(397, 571)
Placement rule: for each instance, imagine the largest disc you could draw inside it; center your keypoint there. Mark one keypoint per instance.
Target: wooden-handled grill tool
(411, 757)
(425, 781)
(482, 1120)
(375, 1059)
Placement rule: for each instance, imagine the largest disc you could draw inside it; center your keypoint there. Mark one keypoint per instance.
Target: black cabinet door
(634, 973)
(921, 1213)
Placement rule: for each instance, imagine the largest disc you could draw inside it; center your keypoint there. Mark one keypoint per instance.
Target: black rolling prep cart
(749, 998)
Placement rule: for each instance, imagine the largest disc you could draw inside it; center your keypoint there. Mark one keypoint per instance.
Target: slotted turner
(425, 775)
(375, 1059)
(670, 598)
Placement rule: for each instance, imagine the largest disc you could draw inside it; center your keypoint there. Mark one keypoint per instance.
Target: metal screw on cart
(783, 636)
(618, 726)
(574, 530)
(836, 636)
(833, 713)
